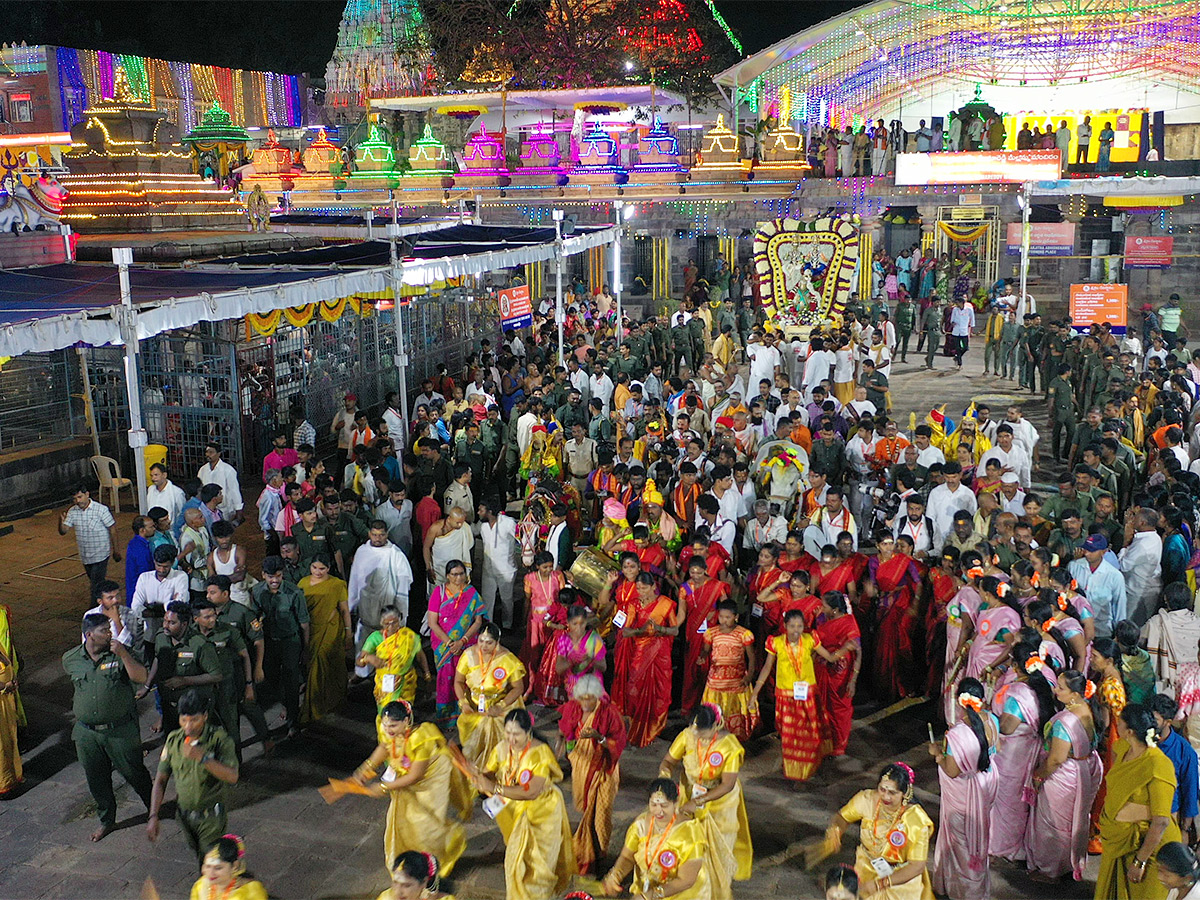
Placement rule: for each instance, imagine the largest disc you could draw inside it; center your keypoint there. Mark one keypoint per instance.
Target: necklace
(890, 825)
(511, 771)
(649, 836)
(212, 890)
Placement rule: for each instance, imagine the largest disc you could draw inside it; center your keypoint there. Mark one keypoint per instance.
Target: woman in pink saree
(1024, 707)
(579, 651)
(1064, 785)
(455, 616)
(997, 626)
(968, 779)
(960, 625)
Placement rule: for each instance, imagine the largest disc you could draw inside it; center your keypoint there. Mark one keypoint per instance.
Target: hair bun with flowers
(912, 776)
(1002, 589)
(974, 572)
(1034, 664)
(1062, 601)
(1035, 580)
(1054, 560)
(241, 845)
(1089, 690)
(716, 711)
(970, 701)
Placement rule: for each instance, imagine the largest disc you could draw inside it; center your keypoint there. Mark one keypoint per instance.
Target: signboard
(1093, 303)
(970, 199)
(1045, 239)
(967, 214)
(1148, 252)
(1126, 125)
(987, 167)
(515, 309)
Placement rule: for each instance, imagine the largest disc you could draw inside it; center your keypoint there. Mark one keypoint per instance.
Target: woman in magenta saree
(894, 580)
(578, 651)
(1064, 784)
(1023, 707)
(641, 686)
(455, 615)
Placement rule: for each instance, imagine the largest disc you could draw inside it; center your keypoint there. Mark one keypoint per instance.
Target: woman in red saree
(893, 581)
(593, 737)
(546, 617)
(838, 680)
(651, 556)
(796, 594)
(642, 680)
(697, 610)
(834, 574)
(546, 683)
(847, 553)
(763, 581)
(713, 554)
(794, 558)
(620, 588)
(944, 584)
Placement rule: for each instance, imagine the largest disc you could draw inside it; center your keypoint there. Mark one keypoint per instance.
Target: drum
(589, 572)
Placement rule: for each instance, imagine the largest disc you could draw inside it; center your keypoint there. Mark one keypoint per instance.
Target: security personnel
(473, 453)
(931, 329)
(1062, 411)
(236, 669)
(182, 659)
(906, 319)
(106, 737)
(248, 625)
(285, 626)
(201, 757)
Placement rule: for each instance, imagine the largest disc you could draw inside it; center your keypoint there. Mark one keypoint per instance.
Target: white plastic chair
(108, 472)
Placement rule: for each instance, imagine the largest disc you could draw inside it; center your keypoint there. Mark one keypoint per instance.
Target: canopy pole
(123, 258)
(1025, 198)
(619, 206)
(401, 357)
(558, 300)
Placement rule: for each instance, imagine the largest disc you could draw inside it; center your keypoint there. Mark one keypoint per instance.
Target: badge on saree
(716, 759)
(493, 804)
(389, 683)
(619, 619)
(882, 867)
(703, 629)
(756, 610)
(499, 673)
(897, 838)
(388, 776)
(698, 791)
(525, 778)
(799, 690)
(668, 860)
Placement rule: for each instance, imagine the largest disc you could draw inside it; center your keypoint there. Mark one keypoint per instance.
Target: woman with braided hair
(1057, 621)
(969, 781)
(1065, 782)
(223, 873)
(995, 628)
(415, 876)
(414, 770)
(894, 836)
(1136, 819)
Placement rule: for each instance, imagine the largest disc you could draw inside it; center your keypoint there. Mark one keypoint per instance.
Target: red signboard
(515, 309)
(1148, 252)
(1095, 303)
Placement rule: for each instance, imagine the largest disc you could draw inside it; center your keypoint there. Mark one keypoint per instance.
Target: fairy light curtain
(87, 77)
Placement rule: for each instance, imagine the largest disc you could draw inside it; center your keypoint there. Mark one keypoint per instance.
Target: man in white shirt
(1023, 431)
(860, 449)
(396, 512)
(601, 386)
(217, 471)
(947, 499)
(525, 423)
(764, 528)
(916, 525)
(828, 522)
(764, 360)
(962, 323)
(426, 397)
(728, 498)
(396, 426)
(163, 493)
(720, 529)
(501, 553)
(1141, 564)
(163, 585)
(1011, 497)
(380, 576)
(579, 379)
(927, 454)
(1011, 455)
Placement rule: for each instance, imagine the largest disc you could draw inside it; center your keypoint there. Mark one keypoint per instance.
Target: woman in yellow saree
(12, 714)
(665, 851)
(223, 873)
(330, 639)
(712, 759)
(520, 780)
(395, 653)
(1136, 819)
(489, 682)
(415, 771)
(415, 876)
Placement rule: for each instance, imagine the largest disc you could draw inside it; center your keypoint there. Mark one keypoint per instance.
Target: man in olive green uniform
(491, 432)
(1090, 429)
(1031, 353)
(285, 625)
(347, 532)
(695, 327)
(248, 625)
(1068, 498)
(201, 757)
(289, 551)
(931, 329)
(183, 660)
(106, 736)
(311, 534)
(1056, 347)
(625, 362)
(906, 318)
(1061, 395)
(1067, 540)
(236, 668)
(1011, 333)
(473, 453)
(573, 412)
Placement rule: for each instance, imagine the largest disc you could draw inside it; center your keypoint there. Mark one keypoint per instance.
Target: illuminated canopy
(925, 57)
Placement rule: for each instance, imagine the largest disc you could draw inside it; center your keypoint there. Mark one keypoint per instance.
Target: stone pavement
(300, 847)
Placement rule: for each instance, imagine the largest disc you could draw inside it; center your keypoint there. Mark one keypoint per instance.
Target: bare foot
(102, 832)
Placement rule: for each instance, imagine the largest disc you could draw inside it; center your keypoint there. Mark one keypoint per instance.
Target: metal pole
(401, 357)
(123, 258)
(1026, 197)
(558, 301)
(619, 206)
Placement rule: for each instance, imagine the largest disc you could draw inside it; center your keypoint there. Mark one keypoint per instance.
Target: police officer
(931, 329)
(201, 757)
(248, 625)
(472, 452)
(236, 668)
(182, 659)
(906, 318)
(285, 626)
(103, 672)
(1062, 411)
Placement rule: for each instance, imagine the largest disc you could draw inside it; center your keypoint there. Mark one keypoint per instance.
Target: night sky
(290, 35)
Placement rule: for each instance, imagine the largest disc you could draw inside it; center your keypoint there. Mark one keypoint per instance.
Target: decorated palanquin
(805, 270)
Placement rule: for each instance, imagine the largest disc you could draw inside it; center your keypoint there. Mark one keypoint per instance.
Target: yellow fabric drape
(299, 316)
(866, 255)
(961, 235)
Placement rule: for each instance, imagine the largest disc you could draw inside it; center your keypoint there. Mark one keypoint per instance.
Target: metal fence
(40, 400)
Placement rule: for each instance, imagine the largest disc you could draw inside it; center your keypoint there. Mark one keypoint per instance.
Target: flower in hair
(1151, 737)
(1062, 600)
(1002, 589)
(1035, 580)
(1090, 690)
(1054, 560)
(970, 701)
(241, 845)
(716, 711)
(974, 572)
(912, 776)
(1034, 664)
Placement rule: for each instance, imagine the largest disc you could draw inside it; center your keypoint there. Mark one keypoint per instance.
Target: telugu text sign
(515, 309)
(1095, 303)
(1148, 252)
(986, 167)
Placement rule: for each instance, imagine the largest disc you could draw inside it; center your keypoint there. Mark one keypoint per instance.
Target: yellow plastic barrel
(155, 453)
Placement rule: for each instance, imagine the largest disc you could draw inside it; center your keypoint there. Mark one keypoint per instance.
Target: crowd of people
(708, 519)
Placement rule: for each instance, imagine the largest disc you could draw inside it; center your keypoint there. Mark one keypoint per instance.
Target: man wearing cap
(343, 427)
(1101, 582)
(1012, 498)
(1141, 564)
